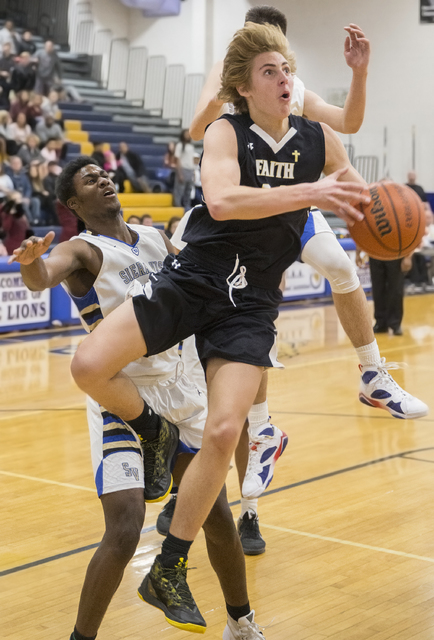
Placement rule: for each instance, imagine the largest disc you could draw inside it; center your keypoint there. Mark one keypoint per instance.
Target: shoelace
(239, 281)
(384, 369)
(177, 577)
(255, 453)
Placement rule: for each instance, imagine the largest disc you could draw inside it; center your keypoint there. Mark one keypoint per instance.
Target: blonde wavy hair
(246, 44)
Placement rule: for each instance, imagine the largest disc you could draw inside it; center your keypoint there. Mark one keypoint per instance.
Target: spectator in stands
(20, 130)
(9, 36)
(49, 182)
(68, 222)
(68, 93)
(22, 184)
(23, 75)
(111, 166)
(49, 130)
(6, 184)
(34, 110)
(7, 62)
(411, 182)
(50, 151)
(172, 225)
(98, 154)
(147, 220)
(14, 223)
(26, 43)
(50, 106)
(20, 104)
(134, 220)
(131, 167)
(170, 163)
(49, 69)
(184, 176)
(47, 211)
(30, 151)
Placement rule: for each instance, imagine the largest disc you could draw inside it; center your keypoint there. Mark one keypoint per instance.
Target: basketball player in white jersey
(98, 269)
(322, 251)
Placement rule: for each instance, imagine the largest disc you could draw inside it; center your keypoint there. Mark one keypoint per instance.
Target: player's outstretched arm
(226, 199)
(348, 119)
(64, 259)
(209, 107)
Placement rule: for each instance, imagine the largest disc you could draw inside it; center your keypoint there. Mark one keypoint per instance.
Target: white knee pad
(324, 253)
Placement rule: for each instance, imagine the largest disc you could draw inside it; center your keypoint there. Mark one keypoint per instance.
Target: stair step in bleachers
(75, 106)
(142, 120)
(102, 127)
(70, 114)
(150, 130)
(126, 111)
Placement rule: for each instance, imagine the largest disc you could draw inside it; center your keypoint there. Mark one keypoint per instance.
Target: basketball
(394, 222)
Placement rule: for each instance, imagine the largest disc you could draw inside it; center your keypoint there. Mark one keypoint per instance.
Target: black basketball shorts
(185, 298)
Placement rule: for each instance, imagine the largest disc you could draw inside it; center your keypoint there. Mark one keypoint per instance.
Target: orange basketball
(394, 222)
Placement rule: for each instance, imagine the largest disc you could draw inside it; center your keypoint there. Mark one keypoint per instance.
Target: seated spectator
(30, 151)
(47, 211)
(49, 69)
(7, 62)
(98, 154)
(48, 129)
(49, 182)
(170, 163)
(134, 220)
(9, 36)
(9, 146)
(20, 104)
(34, 110)
(171, 226)
(23, 75)
(20, 130)
(50, 106)
(14, 223)
(185, 167)
(6, 184)
(111, 166)
(22, 184)
(68, 221)
(68, 93)
(50, 151)
(147, 220)
(131, 167)
(26, 44)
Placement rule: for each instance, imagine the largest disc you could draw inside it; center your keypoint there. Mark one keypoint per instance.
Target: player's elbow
(217, 209)
(196, 132)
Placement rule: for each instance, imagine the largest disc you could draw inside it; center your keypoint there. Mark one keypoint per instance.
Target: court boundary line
(331, 474)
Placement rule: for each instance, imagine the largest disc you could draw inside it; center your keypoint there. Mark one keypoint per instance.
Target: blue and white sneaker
(379, 389)
(267, 443)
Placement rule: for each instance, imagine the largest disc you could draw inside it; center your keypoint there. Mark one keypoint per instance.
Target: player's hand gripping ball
(394, 222)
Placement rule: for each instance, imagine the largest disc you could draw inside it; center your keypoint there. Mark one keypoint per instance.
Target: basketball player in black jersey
(225, 286)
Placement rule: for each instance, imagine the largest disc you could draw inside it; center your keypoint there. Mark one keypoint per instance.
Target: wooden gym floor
(349, 519)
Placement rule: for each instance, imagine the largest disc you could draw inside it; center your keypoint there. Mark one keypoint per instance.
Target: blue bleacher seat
(75, 106)
(68, 114)
(104, 126)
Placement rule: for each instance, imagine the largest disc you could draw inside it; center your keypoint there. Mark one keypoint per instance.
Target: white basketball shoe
(243, 629)
(379, 389)
(267, 443)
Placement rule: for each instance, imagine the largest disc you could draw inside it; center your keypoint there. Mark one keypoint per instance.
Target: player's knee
(342, 275)
(123, 539)
(85, 369)
(223, 434)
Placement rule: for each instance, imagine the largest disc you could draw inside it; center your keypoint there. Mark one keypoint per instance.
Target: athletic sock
(258, 415)
(173, 549)
(146, 424)
(238, 612)
(250, 506)
(369, 354)
(76, 635)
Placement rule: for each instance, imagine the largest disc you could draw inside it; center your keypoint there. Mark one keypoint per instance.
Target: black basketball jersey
(266, 247)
